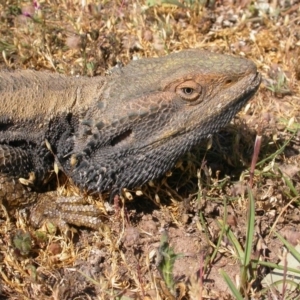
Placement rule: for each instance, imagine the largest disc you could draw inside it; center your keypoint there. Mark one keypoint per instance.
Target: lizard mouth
(256, 81)
(253, 87)
(249, 91)
(233, 108)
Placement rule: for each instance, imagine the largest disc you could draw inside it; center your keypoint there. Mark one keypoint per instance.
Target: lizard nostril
(121, 137)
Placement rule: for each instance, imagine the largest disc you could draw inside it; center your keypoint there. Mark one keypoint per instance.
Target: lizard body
(39, 106)
(122, 130)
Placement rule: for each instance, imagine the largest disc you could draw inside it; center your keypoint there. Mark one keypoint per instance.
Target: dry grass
(118, 261)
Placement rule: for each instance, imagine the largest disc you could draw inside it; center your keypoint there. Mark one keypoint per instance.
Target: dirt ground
(166, 240)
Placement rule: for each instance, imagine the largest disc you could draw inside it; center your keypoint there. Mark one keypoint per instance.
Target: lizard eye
(189, 90)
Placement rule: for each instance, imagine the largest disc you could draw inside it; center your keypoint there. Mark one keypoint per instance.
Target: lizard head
(154, 110)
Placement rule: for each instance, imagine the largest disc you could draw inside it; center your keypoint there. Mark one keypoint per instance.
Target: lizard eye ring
(189, 90)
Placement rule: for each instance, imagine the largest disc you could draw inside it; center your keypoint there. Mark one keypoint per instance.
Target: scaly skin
(122, 130)
(37, 107)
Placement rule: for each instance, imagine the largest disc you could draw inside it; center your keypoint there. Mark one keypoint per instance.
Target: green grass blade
(289, 246)
(234, 241)
(275, 154)
(278, 283)
(231, 286)
(250, 229)
(249, 240)
(290, 185)
(276, 266)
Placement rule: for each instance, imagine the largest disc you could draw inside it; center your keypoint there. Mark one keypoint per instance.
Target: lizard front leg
(17, 193)
(48, 206)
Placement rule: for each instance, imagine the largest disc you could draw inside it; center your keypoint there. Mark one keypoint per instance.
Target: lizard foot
(65, 210)
(47, 206)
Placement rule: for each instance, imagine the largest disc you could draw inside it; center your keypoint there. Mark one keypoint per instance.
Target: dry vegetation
(165, 241)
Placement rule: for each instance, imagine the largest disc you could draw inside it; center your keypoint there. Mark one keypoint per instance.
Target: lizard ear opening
(121, 137)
